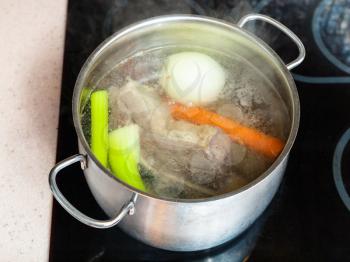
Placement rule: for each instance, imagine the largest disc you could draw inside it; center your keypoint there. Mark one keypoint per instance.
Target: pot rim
(204, 19)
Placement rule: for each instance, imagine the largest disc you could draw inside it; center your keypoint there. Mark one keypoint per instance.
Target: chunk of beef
(195, 152)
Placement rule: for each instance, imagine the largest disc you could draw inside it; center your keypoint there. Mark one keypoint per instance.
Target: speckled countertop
(31, 54)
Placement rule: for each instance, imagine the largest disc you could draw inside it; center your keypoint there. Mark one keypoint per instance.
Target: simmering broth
(181, 158)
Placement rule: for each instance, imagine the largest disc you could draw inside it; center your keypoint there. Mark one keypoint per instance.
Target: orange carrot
(250, 137)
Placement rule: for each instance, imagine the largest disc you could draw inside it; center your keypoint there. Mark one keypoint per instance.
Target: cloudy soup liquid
(181, 159)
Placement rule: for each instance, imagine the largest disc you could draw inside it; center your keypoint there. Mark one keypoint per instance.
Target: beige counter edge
(31, 58)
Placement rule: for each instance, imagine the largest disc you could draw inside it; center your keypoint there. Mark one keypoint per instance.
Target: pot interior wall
(197, 33)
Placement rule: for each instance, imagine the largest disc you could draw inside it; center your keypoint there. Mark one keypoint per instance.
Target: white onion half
(192, 77)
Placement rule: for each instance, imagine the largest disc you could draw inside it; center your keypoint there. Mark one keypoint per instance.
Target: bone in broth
(185, 123)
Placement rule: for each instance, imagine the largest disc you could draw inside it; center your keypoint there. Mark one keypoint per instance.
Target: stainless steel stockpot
(181, 225)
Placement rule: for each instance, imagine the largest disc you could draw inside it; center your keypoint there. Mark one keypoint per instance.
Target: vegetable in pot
(192, 77)
(99, 125)
(251, 137)
(124, 155)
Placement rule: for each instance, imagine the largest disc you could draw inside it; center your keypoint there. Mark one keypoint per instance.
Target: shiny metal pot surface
(181, 225)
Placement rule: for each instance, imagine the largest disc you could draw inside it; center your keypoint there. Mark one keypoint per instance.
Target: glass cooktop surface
(309, 218)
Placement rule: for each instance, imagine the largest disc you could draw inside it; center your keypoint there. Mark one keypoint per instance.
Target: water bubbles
(180, 159)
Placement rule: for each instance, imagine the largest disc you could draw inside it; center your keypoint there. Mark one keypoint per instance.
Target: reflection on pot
(237, 249)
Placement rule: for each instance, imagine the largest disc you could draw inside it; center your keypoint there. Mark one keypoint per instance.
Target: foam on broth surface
(176, 169)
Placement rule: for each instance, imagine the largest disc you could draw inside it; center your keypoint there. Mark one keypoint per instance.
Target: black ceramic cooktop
(309, 219)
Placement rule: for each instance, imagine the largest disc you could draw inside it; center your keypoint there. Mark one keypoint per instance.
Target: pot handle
(128, 208)
(284, 29)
